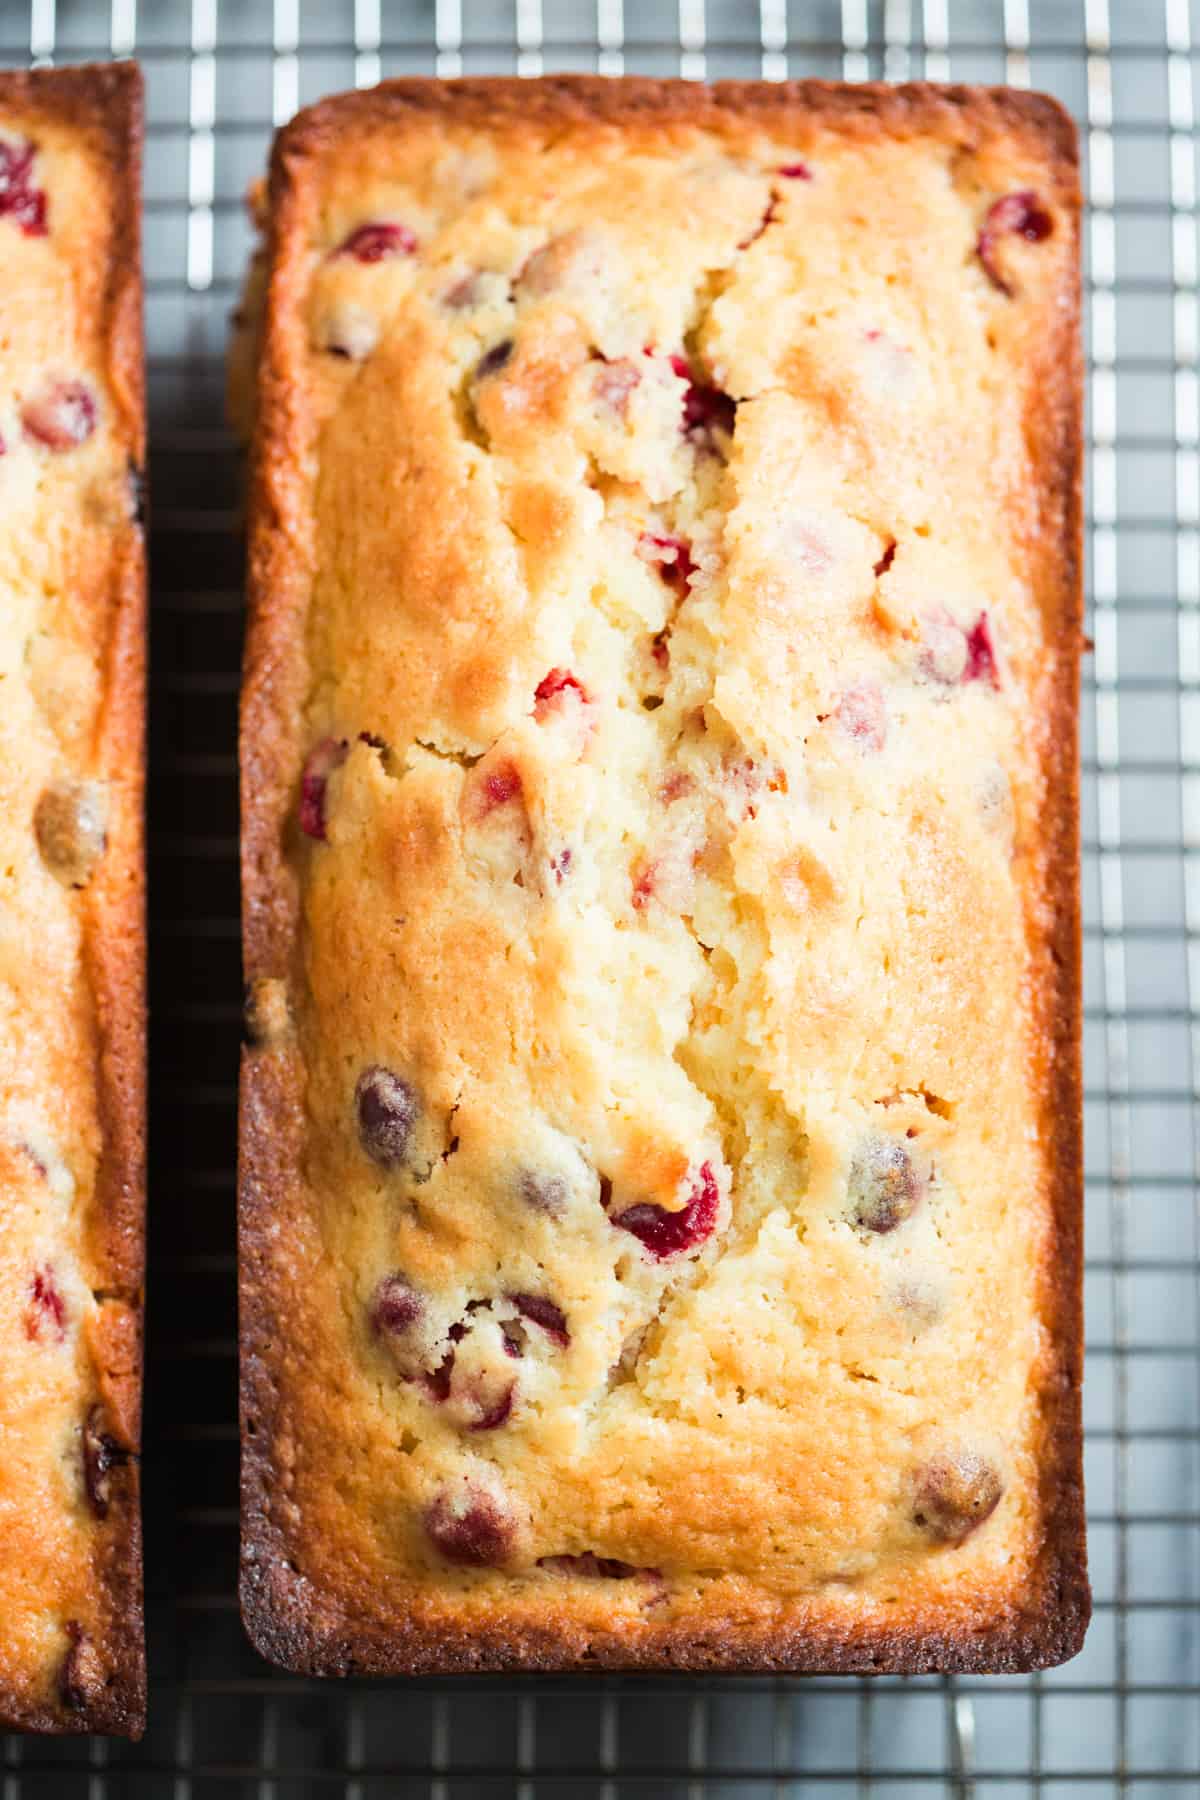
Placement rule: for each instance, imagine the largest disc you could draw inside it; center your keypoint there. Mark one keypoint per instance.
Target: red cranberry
(587, 1563)
(1020, 215)
(24, 204)
(61, 415)
(323, 759)
(543, 1193)
(561, 866)
(862, 715)
(471, 1528)
(545, 1314)
(955, 1493)
(387, 1109)
(665, 1233)
(494, 784)
(555, 690)
(671, 556)
(371, 243)
(46, 1312)
(101, 1455)
(981, 654)
(81, 1678)
(501, 785)
(884, 1187)
(705, 408)
(795, 171)
(396, 1306)
(953, 656)
(889, 556)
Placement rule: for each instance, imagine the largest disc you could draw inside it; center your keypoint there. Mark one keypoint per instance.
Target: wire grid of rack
(1124, 1717)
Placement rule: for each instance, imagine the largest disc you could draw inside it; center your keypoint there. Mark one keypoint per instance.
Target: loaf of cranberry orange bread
(660, 1214)
(71, 922)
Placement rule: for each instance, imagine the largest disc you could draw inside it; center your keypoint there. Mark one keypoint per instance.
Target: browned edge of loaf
(102, 102)
(323, 1633)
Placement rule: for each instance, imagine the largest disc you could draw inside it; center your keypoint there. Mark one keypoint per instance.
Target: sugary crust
(352, 1630)
(103, 105)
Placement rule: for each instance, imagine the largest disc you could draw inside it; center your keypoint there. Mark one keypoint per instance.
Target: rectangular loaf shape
(660, 1193)
(72, 628)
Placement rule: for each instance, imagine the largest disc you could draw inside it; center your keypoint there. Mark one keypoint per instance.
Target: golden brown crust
(287, 1616)
(1061, 1012)
(103, 104)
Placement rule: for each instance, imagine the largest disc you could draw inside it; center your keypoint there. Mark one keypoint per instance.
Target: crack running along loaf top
(660, 1138)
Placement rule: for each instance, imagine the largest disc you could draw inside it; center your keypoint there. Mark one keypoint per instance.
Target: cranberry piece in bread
(470, 1527)
(954, 1493)
(60, 415)
(372, 242)
(387, 1109)
(665, 1233)
(884, 1187)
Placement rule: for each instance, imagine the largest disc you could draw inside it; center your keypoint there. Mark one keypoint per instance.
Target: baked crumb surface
(657, 834)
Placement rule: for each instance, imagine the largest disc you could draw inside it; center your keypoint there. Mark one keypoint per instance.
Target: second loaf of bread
(660, 1182)
(72, 945)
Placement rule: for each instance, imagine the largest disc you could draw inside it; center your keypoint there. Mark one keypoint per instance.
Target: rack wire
(1124, 1717)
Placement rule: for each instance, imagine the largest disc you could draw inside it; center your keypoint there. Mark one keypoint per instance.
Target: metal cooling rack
(1124, 1717)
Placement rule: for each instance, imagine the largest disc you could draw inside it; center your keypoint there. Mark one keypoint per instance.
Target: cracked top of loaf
(71, 935)
(660, 1198)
